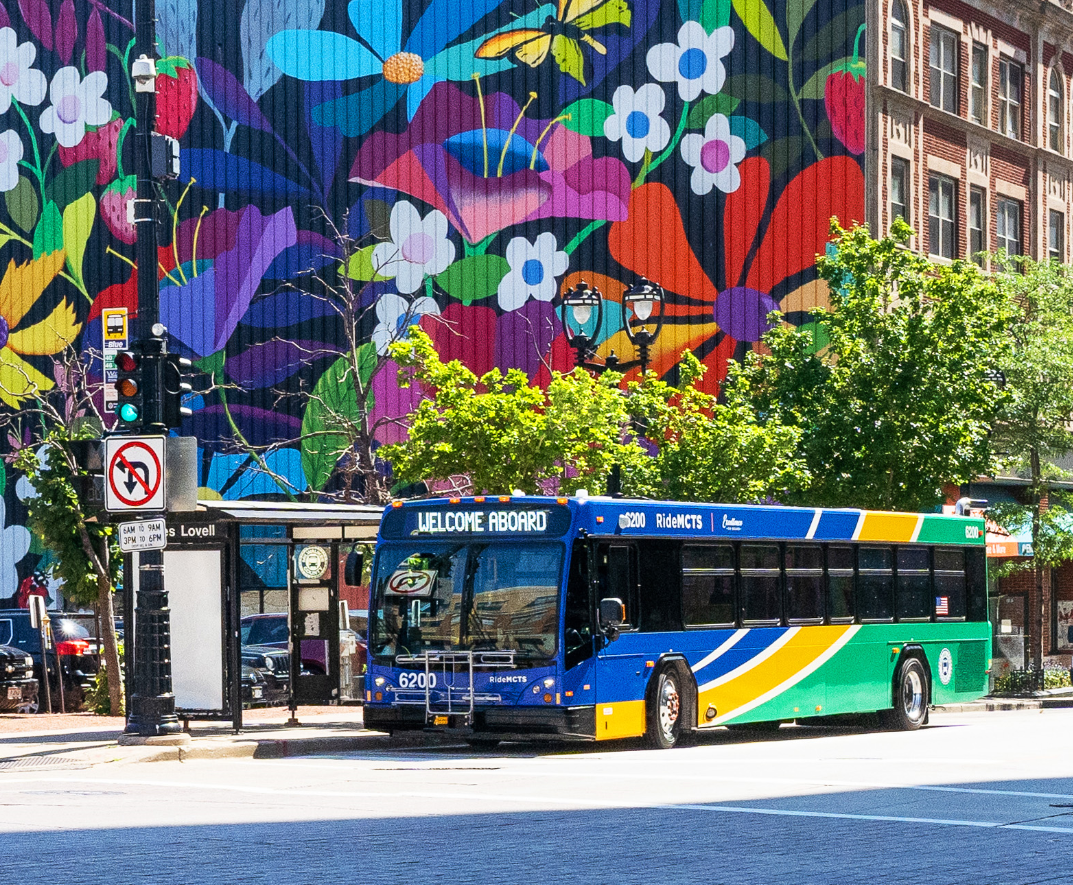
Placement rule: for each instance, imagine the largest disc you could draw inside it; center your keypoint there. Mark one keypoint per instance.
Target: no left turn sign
(134, 470)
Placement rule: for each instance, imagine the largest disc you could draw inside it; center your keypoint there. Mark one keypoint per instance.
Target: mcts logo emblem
(946, 666)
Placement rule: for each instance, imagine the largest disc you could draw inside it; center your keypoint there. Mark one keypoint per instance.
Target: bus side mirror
(353, 568)
(612, 614)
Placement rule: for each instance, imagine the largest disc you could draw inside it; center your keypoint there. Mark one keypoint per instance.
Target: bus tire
(664, 713)
(911, 696)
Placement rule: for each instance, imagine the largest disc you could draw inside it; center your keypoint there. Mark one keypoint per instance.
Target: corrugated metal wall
(484, 154)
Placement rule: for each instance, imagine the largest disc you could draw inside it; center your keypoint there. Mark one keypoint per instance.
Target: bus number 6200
(417, 680)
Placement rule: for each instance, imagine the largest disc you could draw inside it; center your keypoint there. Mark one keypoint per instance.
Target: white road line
(484, 798)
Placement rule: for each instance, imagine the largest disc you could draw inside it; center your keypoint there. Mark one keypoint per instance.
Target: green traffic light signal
(128, 412)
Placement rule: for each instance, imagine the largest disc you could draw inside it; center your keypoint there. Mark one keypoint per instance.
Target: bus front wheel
(910, 697)
(664, 724)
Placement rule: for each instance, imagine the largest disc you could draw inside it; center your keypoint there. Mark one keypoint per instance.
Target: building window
(942, 224)
(943, 89)
(977, 224)
(1054, 112)
(1010, 77)
(899, 46)
(978, 88)
(1008, 225)
(1056, 235)
(899, 188)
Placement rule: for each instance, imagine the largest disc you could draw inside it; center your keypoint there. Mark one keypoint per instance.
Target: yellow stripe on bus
(777, 671)
(895, 527)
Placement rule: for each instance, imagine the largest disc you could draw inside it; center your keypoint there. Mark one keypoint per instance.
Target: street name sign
(147, 534)
(134, 473)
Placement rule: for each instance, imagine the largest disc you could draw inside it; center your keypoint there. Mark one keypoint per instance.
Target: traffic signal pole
(151, 706)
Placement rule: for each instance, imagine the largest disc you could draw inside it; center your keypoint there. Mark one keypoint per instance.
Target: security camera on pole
(151, 707)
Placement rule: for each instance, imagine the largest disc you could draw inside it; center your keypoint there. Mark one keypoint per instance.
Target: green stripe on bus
(944, 530)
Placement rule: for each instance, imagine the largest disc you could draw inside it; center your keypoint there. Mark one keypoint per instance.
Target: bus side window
(840, 608)
(976, 579)
(660, 592)
(617, 578)
(949, 601)
(875, 584)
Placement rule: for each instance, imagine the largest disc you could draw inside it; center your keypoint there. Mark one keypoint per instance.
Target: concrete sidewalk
(80, 740)
(83, 740)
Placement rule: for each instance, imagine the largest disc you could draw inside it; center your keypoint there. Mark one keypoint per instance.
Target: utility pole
(151, 706)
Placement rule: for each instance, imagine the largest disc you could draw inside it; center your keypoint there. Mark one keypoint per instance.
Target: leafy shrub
(1020, 682)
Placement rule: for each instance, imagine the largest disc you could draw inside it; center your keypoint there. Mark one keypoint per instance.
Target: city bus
(596, 618)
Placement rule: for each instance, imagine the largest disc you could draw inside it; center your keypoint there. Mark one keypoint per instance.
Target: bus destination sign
(475, 521)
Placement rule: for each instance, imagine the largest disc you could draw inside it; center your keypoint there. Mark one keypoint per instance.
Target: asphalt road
(979, 798)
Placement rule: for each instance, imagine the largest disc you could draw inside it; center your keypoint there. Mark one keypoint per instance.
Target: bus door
(620, 657)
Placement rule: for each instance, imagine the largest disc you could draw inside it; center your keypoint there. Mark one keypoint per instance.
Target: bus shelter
(286, 576)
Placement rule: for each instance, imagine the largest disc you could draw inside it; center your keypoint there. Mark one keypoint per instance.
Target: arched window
(1054, 111)
(899, 46)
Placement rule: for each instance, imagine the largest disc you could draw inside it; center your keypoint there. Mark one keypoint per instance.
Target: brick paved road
(979, 799)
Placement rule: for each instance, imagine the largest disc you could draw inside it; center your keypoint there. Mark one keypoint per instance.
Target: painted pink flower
(487, 171)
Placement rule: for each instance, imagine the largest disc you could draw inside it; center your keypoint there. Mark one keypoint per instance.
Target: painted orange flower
(20, 288)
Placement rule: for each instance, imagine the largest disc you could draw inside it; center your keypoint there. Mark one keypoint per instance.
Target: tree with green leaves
(710, 451)
(498, 433)
(1035, 425)
(894, 388)
(47, 433)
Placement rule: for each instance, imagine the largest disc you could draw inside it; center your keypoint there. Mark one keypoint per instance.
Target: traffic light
(129, 408)
(173, 388)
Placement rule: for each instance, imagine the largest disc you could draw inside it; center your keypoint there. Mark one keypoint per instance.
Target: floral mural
(482, 154)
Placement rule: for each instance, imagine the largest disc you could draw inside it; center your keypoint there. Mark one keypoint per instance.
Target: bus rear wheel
(664, 724)
(911, 697)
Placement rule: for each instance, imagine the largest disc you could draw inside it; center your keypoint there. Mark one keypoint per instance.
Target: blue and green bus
(591, 618)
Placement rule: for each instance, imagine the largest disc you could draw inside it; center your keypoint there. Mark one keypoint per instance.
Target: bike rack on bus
(452, 701)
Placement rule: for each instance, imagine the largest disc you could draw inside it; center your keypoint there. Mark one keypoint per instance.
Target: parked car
(18, 688)
(274, 667)
(270, 629)
(72, 646)
(253, 687)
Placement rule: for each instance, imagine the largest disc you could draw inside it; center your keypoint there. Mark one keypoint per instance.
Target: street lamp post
(642, 305)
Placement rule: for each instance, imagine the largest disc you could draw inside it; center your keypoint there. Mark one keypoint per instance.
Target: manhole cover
(24, 762)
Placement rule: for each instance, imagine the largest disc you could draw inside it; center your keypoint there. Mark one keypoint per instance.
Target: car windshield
(501, 597)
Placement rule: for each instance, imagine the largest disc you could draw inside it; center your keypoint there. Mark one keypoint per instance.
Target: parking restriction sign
(134, 473)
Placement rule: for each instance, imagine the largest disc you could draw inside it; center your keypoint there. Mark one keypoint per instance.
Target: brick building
(970, 140)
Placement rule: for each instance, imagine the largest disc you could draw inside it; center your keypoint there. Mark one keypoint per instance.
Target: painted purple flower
(203, 296)
(487, 171)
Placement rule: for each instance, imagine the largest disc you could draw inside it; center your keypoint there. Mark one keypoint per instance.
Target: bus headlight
(549, 682)
(379, 681)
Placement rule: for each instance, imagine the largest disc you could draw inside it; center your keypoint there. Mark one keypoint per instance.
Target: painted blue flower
(409, 69)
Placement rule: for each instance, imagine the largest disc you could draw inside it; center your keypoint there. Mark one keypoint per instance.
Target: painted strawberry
(114, 207)
(844, 99)
(176, 95)
(101, 144)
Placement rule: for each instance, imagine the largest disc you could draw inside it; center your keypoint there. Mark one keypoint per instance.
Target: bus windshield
(469, 596)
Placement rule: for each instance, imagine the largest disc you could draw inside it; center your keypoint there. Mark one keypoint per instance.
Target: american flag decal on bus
(942, 605)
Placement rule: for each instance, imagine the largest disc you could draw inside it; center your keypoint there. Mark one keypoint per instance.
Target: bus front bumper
(502, 723)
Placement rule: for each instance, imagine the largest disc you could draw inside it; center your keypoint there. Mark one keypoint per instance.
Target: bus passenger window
(840, 566)
(913, 600)
(875, 584)
(760, 592)
(708, 585)
(804, 584)
(616, 576)
(950, 582)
